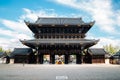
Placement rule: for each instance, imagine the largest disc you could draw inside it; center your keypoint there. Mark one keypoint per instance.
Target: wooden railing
(59, 36)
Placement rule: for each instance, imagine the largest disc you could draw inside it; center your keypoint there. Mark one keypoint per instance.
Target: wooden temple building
(59, 41)
(115, 59)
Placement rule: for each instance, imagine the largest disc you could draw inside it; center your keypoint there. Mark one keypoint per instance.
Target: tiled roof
(37, 42)
(117, 53)
(21, 51)
(98, 51)
(66, 41)
(58, 21)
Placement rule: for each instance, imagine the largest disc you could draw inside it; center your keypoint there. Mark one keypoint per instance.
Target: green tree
(8, 52)
(1, 49)
(111, 49)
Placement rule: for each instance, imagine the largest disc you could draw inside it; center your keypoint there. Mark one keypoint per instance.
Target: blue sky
(106, 13)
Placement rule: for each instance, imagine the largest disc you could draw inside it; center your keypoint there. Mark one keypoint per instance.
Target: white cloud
(13, 34)
(10, 43)
(100, 10)
(17, 30)
(118, 18)
(28, 14)
(4, 32)
(10, 39)
(106, 41)
(15, 25)
(33, 15)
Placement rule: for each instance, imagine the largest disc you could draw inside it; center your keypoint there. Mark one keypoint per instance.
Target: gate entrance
(72, 59)
(59, 59)
(46, 59)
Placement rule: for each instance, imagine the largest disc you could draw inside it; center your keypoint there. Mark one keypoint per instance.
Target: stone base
(107, 61)
(11, 61)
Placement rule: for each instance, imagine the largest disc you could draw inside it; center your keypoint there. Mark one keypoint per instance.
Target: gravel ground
(59, 72)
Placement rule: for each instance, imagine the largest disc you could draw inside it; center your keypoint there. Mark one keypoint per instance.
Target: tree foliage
(6, 52)
(111, 49)
(1, 49)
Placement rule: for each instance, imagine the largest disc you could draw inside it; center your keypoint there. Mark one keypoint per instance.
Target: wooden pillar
(37, 56)
(27, 59)
(41, 58)
(78, 58)
(66, 58)
(37, 59)
(52, 58)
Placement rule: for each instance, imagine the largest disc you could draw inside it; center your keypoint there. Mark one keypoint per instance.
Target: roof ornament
(80, 18)
(92, 23)
(27, 23)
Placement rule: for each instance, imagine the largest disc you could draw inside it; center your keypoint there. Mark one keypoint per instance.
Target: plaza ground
(59, 72)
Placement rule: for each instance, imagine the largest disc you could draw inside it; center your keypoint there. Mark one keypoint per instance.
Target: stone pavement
(59, 72)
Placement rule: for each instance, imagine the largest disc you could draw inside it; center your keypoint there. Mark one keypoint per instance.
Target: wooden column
(78, 58)
(66, 58)
(41, 58)
(27, 59)
(52, 58)
(37, 57)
